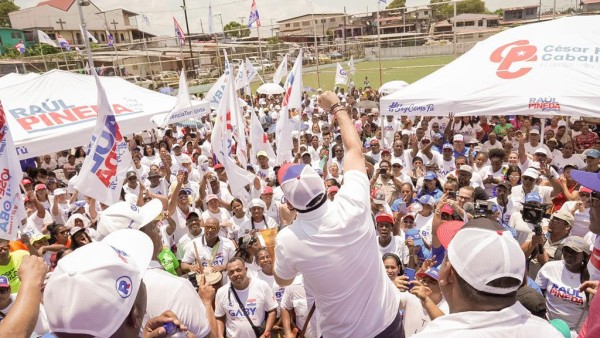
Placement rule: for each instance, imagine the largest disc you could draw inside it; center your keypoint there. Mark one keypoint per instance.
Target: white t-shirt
(339, 239)
(224, 218)
(416, 317)
(581, 226)
(561, 162)
(396, 246)
(486, 171)
(524, 229)
(517, 195)
(295, 298)
(184, 244)
(563, 298)
(167, 292)
(246, 227)
(219, 256)
(257, 299)
(513, 321)
(41, 326)
(277, 290)
(424, 225)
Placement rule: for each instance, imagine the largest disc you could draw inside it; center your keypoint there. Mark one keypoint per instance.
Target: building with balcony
(303, 28)
(62, 17)
(520, 13)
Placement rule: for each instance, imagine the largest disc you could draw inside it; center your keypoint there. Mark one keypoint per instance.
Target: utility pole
(86, 40)
(344, 31)
(189, 38)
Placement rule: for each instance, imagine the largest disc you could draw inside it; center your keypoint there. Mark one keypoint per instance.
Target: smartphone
(402, 208)
(452, 195)
(410, 273)
(383, 171)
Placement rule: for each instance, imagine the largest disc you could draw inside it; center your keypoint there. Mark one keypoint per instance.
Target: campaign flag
(281, 70)
(11, 200)
(108, 159)
(351, 65)
(241, 79)
(145, 19)
(215, 93)
(110, 39)
(44, 38)
(179, 33)
(341, 77)
(292, 99)
(224, 133)
(251, 72)
(20, 47)
(259, 139)
(254, 16)
(88, 35)
(64, 43)
(211, 23)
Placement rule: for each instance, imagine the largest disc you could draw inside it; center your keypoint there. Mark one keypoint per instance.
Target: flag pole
(116, 56)
(262, 67)
(23, 63)
(312, 14)
(64, 57)
(43, 58)
(379, 42)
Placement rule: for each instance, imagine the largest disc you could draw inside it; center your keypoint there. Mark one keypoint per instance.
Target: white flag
(11, 200)
(223, 136)
(241, 79)
(88, 34)
(259, 139)
(341, 77)
(108, 159)
(281, 70)
(351, 65)
(44, 38)
(215, 94)
(251, 72)
(292, 99)
(183, 109)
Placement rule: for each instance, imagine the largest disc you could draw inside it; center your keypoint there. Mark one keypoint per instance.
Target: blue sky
(161, 12)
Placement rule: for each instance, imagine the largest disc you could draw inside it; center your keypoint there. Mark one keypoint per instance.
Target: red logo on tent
(509, 54)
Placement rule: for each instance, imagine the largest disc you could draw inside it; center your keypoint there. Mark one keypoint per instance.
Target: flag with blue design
(103, 171)
(254, 16)
(179, 33)
(292, 99)
(20, 47)
(64, 43)
(110, 39)
(11, 174)
(44, 38)
(341, 77)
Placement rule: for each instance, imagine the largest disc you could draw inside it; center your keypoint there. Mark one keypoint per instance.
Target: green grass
(409, 70)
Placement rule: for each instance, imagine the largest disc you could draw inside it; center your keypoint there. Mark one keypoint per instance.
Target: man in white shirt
(323, 231)
(387, 242)
(482, 292)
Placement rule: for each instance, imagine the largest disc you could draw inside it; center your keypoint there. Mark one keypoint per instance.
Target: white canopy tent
(16, 78)
(56, 110)
(547, 68)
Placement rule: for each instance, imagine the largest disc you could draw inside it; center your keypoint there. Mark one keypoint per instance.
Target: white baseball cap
(469, 253)
(93, 289)
(123, 215)
(530, 172)
(301, 184)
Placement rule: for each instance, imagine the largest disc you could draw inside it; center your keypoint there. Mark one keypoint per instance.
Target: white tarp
(547, 68)
(58, 110)
(16, 78)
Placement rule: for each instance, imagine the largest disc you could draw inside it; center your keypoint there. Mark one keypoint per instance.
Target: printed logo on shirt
(279, 294)
(123, 286)
(250, 309)
(566, 294)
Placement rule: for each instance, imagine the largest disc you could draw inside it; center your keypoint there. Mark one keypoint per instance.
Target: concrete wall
(416, 51)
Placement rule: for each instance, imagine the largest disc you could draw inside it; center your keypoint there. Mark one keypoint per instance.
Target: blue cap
(414, 234)
(4, 283)
(427, 199)
(437, 136)
(430, 175)
(533, 197)
(593, 153)
(431, 272)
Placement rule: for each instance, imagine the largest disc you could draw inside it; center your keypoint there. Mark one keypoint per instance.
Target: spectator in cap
(482, 294)
(209, 251)
(580, 209)
(214, 209)
(178, 208)
(431, 186)
(390, 126)
(164, 290)
(534, 142)
(563, 298)
(156, 186)
(558, 232)
(387, 242)
(385, 181)
(272, 207)
(458, 142)
(263, 169)
(592, 160)
(312, 252)
(375, 151)
(210, 184)
(194, 224)
(79, 237)
(529, 184)
(258, 220)
(568, 191)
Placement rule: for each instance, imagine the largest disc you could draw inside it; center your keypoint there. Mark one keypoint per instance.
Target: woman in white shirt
(238, 215)
(560, 280)
(150, 157)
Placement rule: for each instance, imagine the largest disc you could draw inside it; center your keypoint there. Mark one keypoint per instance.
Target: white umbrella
(546, 68)
(392, 87)
(270, 89)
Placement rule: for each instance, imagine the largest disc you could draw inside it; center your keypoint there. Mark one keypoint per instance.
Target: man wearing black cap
(323, 232)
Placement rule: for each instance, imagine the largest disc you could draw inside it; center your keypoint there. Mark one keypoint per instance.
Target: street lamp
(80, 4)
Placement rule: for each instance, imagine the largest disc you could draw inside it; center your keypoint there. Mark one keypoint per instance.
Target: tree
(236, 30)
(6, 6)
(466, 6)
(396, 4)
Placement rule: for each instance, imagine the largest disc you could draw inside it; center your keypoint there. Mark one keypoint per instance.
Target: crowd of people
(380, 226)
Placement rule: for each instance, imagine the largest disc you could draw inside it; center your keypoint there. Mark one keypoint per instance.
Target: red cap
(447, 230)
(333, 188)
(446, 208)
(386, 151)
(40, 186)
(384, 218)
(267, 190)
(218, 166)
(25, 181)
